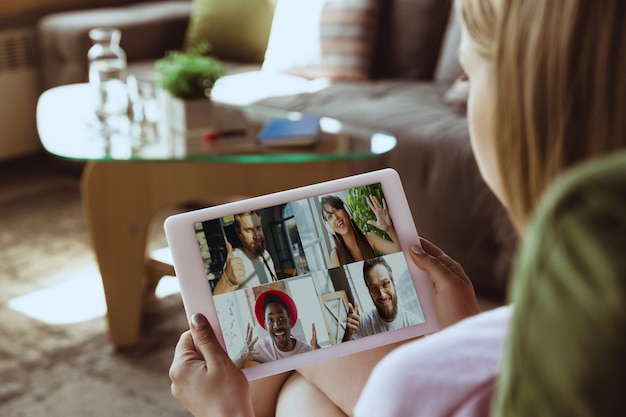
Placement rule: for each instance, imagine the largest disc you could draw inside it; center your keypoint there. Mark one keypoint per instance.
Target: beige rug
(55, 359)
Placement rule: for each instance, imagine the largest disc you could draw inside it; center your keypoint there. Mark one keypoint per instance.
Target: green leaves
(191, 74)
(356, 199)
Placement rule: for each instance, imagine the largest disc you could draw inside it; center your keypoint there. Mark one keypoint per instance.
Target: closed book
(290, 132)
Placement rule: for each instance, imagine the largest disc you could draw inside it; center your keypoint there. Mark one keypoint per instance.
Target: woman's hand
(204, 379)
(454, 294)
(383, 221)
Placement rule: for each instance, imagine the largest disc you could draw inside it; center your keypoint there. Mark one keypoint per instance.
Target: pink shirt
(448, 374)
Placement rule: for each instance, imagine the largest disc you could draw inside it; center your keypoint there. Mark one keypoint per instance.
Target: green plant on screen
(356, 199)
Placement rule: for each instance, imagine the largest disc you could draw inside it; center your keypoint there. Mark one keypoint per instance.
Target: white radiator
(18, 93)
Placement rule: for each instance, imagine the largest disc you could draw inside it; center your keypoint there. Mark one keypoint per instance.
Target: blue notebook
(288, 132)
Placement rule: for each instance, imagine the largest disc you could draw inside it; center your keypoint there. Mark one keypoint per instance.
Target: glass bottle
(107, 72)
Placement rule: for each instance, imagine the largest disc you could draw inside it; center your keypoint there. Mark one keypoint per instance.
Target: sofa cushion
(236, 29)
(448, 67)
(410, 36)
(323, 38)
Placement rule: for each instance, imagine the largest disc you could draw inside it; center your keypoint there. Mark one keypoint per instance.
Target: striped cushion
(323, 38)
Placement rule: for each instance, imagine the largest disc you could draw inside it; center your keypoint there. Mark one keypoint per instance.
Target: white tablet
(305, 275)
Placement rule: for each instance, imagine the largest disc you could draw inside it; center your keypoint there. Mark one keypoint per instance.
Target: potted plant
(188, 77)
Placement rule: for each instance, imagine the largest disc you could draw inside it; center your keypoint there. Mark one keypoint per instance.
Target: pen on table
(213, 135)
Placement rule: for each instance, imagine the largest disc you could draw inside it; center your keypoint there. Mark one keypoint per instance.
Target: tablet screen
(307, 275)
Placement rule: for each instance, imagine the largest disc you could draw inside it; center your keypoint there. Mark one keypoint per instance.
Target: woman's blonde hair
(560, 87)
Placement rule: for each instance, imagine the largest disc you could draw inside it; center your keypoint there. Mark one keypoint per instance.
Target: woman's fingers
(453, 291)
(441, 259)
(204, 338)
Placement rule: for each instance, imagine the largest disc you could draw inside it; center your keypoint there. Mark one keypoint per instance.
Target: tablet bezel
(196, 291)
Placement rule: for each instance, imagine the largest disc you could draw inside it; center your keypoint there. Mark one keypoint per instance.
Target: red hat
(259, 309)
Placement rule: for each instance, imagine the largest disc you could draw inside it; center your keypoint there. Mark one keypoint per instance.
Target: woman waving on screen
(351, 243)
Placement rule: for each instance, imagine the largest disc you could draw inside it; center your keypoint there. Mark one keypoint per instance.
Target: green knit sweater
(566, 353)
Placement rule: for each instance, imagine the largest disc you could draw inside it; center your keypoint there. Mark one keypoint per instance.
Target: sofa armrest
(148, 31)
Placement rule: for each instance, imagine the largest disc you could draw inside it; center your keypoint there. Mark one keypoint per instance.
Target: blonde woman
(546, 111)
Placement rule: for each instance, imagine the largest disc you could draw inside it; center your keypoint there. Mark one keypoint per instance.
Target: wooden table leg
(121, 198)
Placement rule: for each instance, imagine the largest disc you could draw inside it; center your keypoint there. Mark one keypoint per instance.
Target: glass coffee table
(125, 183)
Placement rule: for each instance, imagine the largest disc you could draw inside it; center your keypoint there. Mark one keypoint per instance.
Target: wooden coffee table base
(121, 199)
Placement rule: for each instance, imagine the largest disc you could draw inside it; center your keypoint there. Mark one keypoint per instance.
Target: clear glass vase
(107, 72)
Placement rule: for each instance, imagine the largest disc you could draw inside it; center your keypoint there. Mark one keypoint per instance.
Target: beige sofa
(414, 65)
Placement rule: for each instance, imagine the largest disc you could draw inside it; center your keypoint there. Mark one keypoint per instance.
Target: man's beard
(256, 249)
(389, 314)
